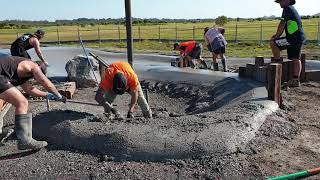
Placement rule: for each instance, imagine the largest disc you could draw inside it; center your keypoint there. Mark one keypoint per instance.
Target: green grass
(246, 31)
(248, 35)
(241, 50)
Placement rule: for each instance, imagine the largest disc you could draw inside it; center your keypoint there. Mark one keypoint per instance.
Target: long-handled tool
(99, 59)
(298, 175)
(85, 52)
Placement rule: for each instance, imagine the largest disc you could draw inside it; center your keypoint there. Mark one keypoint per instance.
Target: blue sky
(71, 9)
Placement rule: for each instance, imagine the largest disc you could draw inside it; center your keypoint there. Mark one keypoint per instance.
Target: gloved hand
(117, 114)
(52, 96)
(130, 114)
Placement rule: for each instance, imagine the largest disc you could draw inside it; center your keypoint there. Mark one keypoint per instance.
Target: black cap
(119, 83)
(39, 32)
(292, 2)
(175, 45)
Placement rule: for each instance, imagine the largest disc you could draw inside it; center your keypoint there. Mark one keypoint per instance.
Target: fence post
(176, 33)
(159, 33)
(139, 31)
(318, 37)
(236, 34)
(17, 35)
(119, 33)
(261, 35)
(78, 33)
(193, 33)
(99, 34)
(58, 35)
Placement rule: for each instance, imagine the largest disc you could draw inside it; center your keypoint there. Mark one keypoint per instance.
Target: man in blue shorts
(291, 24)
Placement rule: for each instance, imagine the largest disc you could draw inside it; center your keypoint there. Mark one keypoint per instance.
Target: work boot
(224, 65)
(147, 114)
(295, 82)
(215, 67)
(23, 128)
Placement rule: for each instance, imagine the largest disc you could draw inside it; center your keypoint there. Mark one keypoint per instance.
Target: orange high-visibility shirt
(132, 79)
(189, 47)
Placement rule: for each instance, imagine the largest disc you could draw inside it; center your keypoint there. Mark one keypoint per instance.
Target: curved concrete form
(241, 108)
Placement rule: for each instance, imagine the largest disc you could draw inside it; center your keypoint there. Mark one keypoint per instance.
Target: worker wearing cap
(16, 71)
(20, 46)
(292, 25)
(188, 50)
(119, 78)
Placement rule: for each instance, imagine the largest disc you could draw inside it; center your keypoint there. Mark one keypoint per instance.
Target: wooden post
(159, 31)
(17, 35)
(139, 30)
(251, 70)
(259, 61)
(119, 34)
(78, 33)
(261, 34)
(303, 69)
(318, 35)
(236, 34)
(242, 72)
(99, 37)
(194, 33)
(176, 32)
(274, 82)
(58, 35)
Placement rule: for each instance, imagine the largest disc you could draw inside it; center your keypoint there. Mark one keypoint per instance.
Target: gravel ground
(288, 141)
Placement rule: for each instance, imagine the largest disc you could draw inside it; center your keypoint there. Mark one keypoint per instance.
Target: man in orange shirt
(188, 50)
(119, 78)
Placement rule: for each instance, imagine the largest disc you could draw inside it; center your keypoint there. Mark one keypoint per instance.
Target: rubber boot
(215, 67)
(147, 114)
(224, 64)
(23, 128)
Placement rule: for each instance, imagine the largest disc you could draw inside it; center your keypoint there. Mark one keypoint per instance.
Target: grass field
(252, 37)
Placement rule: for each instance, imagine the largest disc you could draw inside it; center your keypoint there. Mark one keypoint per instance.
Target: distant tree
(221, 20)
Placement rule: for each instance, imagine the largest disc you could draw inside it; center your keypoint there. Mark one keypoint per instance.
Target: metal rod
(85, 52)
(129, 31)
(48, 104)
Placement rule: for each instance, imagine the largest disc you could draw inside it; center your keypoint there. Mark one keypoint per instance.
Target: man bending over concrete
(119, 78)
(216, 43)
(20, 46)
(16, 71)
(292, 25)
(189, 50)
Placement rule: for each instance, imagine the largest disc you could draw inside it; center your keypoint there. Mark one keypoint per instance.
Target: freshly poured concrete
(223, 131)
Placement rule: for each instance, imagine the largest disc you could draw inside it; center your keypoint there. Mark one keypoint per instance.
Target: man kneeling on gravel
(119, 78)
(16, 71)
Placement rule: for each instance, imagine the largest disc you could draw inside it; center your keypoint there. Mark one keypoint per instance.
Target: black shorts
(293, 50)
(196, 51)
(221, 50)
(4, 84)
(19, 52)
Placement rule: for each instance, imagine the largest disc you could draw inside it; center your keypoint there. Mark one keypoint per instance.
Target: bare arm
(134, 99)
(36, 44)
(280, 29)
(43, 80)
(33, 91)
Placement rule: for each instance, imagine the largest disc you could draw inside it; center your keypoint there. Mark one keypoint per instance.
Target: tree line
(26, 24)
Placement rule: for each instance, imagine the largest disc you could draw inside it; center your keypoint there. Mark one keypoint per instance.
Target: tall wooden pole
(129, 31)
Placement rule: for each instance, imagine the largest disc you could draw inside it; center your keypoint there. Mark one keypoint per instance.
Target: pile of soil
(287, 142)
